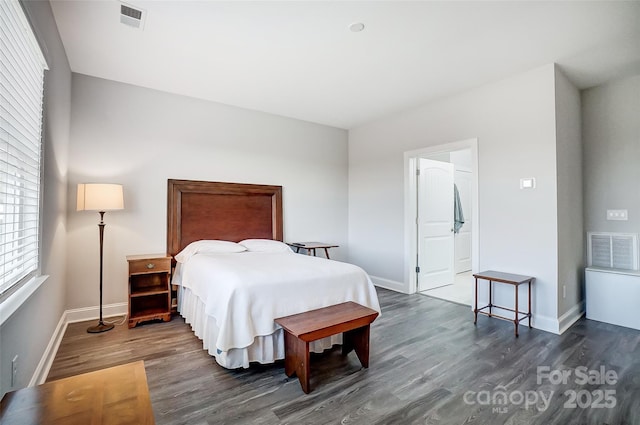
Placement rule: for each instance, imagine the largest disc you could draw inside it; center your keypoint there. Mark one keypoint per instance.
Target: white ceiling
(299, 59)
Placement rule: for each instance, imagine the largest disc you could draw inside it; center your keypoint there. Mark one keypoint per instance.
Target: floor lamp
(100, 197)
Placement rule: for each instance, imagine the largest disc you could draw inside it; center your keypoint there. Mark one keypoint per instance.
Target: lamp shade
(100, 197)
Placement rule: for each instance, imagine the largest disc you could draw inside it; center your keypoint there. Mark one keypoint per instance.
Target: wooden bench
(352, 319)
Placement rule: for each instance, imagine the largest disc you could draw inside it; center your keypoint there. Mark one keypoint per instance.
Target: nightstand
(149, 288)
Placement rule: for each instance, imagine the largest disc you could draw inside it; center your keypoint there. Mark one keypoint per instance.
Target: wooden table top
(312, 245)
(514, 279)
(117, 395)
(310, 325)
(146, 256)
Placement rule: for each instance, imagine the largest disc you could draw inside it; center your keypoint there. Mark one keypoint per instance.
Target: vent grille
(131, 12)
(131, 16)
(613, 250)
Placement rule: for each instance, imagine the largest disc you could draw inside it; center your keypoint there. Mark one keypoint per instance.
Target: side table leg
(529, 304)
(326, 252)
(475, 310)
(490, 296)
(515, 320)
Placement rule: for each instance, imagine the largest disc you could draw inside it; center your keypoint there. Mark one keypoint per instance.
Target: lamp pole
(101, 326)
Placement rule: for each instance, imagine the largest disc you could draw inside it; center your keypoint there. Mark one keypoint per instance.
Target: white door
(435, 224)
(463, 237)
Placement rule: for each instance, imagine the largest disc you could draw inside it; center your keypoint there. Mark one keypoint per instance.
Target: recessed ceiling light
(356, 27)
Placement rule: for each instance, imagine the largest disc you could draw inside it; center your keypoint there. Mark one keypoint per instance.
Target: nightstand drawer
(150, 265)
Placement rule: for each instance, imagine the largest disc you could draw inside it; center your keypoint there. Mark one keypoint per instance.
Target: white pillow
(208, 246)
(265, 245)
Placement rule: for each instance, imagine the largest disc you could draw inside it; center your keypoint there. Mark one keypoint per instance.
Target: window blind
(22, 67)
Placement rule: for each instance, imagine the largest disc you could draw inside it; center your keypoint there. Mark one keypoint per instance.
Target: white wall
(29, 330)
(570, 205)
(141, 137)
(514, 121)
(611, 134)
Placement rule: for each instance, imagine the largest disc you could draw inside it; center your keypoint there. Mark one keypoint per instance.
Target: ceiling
(299, 59)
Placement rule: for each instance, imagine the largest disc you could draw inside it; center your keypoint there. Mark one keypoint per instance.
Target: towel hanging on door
(458, 216)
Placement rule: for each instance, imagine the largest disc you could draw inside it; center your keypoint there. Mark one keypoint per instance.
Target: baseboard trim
(91, 313)
(545, 323)
(71, 316)
(571, 316)
(389, 284)
(42, 370)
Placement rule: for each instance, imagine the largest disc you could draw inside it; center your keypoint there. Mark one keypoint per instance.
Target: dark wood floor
(429, 365)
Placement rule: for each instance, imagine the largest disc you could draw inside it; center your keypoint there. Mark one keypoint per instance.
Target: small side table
(312, 246)
(512, 279)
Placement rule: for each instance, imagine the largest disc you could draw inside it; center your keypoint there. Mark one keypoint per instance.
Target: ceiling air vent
(131, 16)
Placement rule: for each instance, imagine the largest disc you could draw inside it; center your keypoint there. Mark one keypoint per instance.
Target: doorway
(440, 255)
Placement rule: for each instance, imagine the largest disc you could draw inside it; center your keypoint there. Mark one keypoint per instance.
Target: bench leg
(296, 359)
(358, 340)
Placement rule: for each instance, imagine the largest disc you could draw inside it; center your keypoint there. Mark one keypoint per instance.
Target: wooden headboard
(226, 211)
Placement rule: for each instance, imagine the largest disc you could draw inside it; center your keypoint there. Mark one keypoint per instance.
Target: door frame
(410, 206)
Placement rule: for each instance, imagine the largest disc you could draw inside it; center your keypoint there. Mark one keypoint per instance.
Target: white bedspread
(244, 292)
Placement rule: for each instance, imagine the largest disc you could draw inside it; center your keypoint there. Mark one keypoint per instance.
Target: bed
(235, 275)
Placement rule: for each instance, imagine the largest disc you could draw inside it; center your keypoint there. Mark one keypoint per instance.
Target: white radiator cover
(613, 296)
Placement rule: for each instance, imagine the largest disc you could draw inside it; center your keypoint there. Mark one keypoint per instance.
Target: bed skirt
(265, 349)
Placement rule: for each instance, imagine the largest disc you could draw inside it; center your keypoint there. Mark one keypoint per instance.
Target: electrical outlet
(14, 371)
(564, 291)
